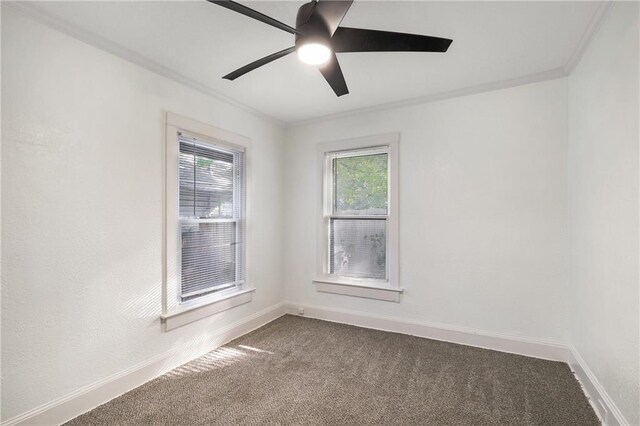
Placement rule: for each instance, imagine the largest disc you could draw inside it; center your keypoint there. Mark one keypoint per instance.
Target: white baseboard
(537, 348)
(84, 399)
(603, 405)
(91, 396)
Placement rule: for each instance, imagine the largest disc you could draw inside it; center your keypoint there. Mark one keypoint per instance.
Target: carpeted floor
(301, 371)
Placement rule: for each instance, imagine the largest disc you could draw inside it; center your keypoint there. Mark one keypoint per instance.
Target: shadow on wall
(145, 305)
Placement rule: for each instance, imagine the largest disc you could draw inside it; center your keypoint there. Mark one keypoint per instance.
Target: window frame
(174, 312)
(388, 289)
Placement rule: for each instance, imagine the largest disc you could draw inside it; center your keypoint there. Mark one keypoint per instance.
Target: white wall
(603, 207)
(82, 196)
(482, 210)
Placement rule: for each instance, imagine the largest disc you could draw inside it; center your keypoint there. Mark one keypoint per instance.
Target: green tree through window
(360, 184)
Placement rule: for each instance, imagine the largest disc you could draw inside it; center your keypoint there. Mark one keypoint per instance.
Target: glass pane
(206, 182)
(358, 248)
(208, 255)
(360, 184)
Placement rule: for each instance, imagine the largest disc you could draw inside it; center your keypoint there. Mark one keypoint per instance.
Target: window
(206, 221)
(359, 218)
(211, 210)
(357, 214)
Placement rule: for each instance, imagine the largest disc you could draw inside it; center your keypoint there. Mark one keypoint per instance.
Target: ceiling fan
(318, 37)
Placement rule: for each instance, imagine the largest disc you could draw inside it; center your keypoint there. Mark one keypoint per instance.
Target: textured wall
(482, 210)
(82, 195)
(603, 207)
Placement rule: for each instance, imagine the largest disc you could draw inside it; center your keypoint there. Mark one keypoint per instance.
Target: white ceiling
(492, 42)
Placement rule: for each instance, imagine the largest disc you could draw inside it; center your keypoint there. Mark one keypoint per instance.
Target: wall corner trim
(594, 390)
(88, 397)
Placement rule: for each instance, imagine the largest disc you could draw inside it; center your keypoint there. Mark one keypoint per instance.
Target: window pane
(360, 184)
(208, 256)
(357, 248)
(206, 182)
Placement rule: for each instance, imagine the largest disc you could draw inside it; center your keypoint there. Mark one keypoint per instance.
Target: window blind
(211, 211)
(206, 181)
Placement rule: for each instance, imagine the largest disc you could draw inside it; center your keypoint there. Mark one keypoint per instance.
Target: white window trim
(389, 289)
(175, 314)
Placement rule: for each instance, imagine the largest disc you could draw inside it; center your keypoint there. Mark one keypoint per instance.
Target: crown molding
(471, 90)
(590, 32)
(33, 11)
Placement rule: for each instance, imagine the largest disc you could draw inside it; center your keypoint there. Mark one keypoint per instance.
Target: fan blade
(332, 12)
(333, 74)
(260, 62)
(361, 40)
(246, 11)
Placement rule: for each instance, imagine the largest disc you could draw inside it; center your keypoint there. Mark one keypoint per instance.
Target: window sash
(213, 152)
(328, 254)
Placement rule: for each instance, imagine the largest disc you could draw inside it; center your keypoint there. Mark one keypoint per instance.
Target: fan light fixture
(314, 53)
(318, 36)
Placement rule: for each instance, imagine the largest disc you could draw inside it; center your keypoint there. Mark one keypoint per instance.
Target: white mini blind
(357, 213)
(211, 215)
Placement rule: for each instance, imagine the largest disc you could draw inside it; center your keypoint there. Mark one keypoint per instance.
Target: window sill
(190, 312)
(358, 289)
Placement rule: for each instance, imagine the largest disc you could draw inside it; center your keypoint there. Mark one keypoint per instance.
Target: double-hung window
(211, 218)
(206, 221)
(357, 213)
(359, 218)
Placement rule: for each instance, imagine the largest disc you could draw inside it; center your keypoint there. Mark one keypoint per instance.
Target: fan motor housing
(311, 29)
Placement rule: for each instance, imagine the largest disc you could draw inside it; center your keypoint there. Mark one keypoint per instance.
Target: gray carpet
(300, 371)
